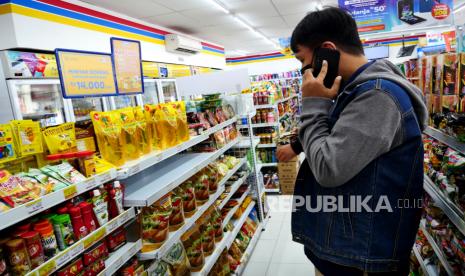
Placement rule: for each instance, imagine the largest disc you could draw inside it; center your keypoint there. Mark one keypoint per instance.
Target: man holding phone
(361, 135)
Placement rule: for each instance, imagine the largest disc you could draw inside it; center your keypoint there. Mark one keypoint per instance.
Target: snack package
(27, 137)
(149, 113)
(181, 120)
(177, 259)
(192, 241)
(67, 172)
(188, 198)
(213, 177)
(7, 145)
(220, 141)
(201, 184)
(110, 137)
(155, 223)
(177, 215)
(162, 269)
(74, 268)
(129, 130)
(116, 239)
(16, 191)
(61, 138)
(208, 235)
(217, 223)
(98, 251)
(450, 99)
(142, 129)
(85, 136)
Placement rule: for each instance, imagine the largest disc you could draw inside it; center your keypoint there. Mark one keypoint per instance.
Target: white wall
(265, 67)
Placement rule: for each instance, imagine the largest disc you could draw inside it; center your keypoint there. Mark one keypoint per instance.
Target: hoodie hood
(384, 69)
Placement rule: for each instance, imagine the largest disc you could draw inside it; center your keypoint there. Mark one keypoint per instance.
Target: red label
(96, 117)
(440, 11)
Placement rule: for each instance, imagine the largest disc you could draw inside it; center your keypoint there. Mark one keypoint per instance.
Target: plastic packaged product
(192, 241)
(201, 184)
(100, 204)
(166, 123)
(61, 138)
(34, 248)
(3, 262)
(188, 198)
(211, 118)
(181, 120)
(18, 257)
(86, 163)
(177, 259)
(129, 268)
(110, 138)
(149, 113)
(68, 172)
(94, 268)
(208, 235)
(213, 178)
(85, 136)
(27, 136)
(143, 131)
(220, 141)
(47, 237)
(7, 145)
(130, 133)
(177, 215)
(217, 223)
(80, 230)
(63, 231)
(155, 223)
(161, 268)
(18, 189)
(98, 251)
(116, 195)
(88, 216)
(73, 269)
(116, 239)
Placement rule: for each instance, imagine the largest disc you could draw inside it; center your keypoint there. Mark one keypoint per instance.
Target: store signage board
(85, 74)
(127, 63)
(398, 15)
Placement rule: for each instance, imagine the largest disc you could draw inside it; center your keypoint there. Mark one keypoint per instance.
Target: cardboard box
(287, 173)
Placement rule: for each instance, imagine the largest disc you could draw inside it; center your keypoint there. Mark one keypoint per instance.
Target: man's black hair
(329, 24)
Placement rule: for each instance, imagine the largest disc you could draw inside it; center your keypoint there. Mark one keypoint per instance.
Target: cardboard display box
(287, 173)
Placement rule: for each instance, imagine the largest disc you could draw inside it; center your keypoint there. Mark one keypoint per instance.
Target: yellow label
(94, 237)
(47, 268)
(127, 59)
(7, 146)
(150, 69)
(86, 74)
(178, 70)
(70, 191)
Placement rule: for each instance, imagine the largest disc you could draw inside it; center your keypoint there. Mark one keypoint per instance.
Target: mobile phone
(332, 57)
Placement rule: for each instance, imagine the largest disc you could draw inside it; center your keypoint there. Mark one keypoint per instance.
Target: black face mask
(308, 66)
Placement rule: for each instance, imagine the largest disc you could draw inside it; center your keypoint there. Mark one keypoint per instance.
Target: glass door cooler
(168, 87)
(151, 92)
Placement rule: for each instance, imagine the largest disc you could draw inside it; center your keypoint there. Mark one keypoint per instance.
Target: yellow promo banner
(128, 67)
(178, 70)
(85, 74)
(150, 69)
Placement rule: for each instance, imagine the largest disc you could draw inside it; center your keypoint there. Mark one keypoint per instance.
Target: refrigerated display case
(168, 87)
(39, 100)
(82, 107)
(151, 92)
(123, 101)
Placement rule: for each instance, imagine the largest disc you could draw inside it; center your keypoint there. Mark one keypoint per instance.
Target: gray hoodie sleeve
(368, 127)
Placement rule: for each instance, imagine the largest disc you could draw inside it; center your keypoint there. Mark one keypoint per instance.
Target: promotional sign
(30, 65)
(85, 74)
(178, 70)
(126, 56)
(398, 15)
(150, 69)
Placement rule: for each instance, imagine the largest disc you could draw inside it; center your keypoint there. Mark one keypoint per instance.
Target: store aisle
(276, 254)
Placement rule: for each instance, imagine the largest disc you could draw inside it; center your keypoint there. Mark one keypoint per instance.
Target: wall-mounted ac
(178, 44)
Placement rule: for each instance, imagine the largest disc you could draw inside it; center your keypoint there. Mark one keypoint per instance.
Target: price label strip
(34, 206)
(70, 191)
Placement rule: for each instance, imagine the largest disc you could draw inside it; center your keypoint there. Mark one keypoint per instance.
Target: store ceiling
(202, 19)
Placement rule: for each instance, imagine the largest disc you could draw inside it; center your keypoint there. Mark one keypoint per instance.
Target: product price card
(70, 191)
(126, 55)
(47, 269)
(34, 206)
(85, 74)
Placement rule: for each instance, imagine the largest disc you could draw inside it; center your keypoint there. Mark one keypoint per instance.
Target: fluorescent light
(255, 31)
(459, 8)
(242, 22)
(220, 7)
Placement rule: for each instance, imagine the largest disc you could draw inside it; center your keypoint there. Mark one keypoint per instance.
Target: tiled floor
(276, 254)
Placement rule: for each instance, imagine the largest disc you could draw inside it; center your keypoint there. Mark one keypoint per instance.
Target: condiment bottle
(80, 230)
(34, 248)
(88, 216)
(18, 257)
(48, 239)
(63, 231)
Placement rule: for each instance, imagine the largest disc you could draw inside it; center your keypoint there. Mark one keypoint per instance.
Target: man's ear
(329, 45)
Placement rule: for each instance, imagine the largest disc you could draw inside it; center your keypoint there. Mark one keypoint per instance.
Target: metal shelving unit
(442, 258)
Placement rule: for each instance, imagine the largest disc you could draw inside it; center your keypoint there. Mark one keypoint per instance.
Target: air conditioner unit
(175, 43)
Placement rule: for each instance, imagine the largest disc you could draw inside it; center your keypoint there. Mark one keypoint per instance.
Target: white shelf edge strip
(268, 164)
(120, 257)
(233, 189)
(146, 161)
(436, 249)
(211, 260)
(47, 201)
(80, 246)
(446, 205)
(234, 210)
(420, 259)
(273, 145)
(271, 190)
(245, 258)
(238, 223)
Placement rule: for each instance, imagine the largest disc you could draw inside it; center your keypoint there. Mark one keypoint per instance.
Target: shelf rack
(422, 262)
(233, 189)
(234, 210)
(120, 257)
(248, 251)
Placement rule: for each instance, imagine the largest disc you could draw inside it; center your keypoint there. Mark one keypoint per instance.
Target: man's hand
(314, 87)
(285, 153)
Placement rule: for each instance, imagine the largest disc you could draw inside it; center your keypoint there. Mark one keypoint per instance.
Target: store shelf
(233, 189)
(273, 191)
(273, 145)
(244, 142)
(275, 124)
(421, 261)
(134, 166)
(211, 260)
(80, 246)
(234, 210)
(239, 222)
(446, 139)
(248, 252)
(120, 257)
(442, 258)
(263, 165)
(262, 106)
(146, 188)
(45, 202)
(450, 209)
(175, 236)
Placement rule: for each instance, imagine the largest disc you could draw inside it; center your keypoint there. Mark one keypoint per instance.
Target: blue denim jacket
(370, 241)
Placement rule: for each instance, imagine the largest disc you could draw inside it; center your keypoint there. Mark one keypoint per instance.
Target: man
(363, 147)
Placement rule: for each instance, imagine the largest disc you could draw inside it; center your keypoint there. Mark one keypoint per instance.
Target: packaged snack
(177, 215)
(34, 248)
(203, 120)
(166, 123)
(116, 239)
(129, 130)
(192, 241)
(201, 183)
(162, 269)
(110, 138)
(101, 165)
(85, 136)
(177, 259)
(7, 145)
(63, 231)
(98, 251)
(74, 268)
(208, 235)
(181, 119)
(60, 139)
(155, 223)
(15, 191)
(188, 198)
(213, 177)
(18, 256)
(27, 136)
(217, 223)
(211, 118)
(94, 268)
(68, 172)
(142, 129)
(220, 141)
(129, 269)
